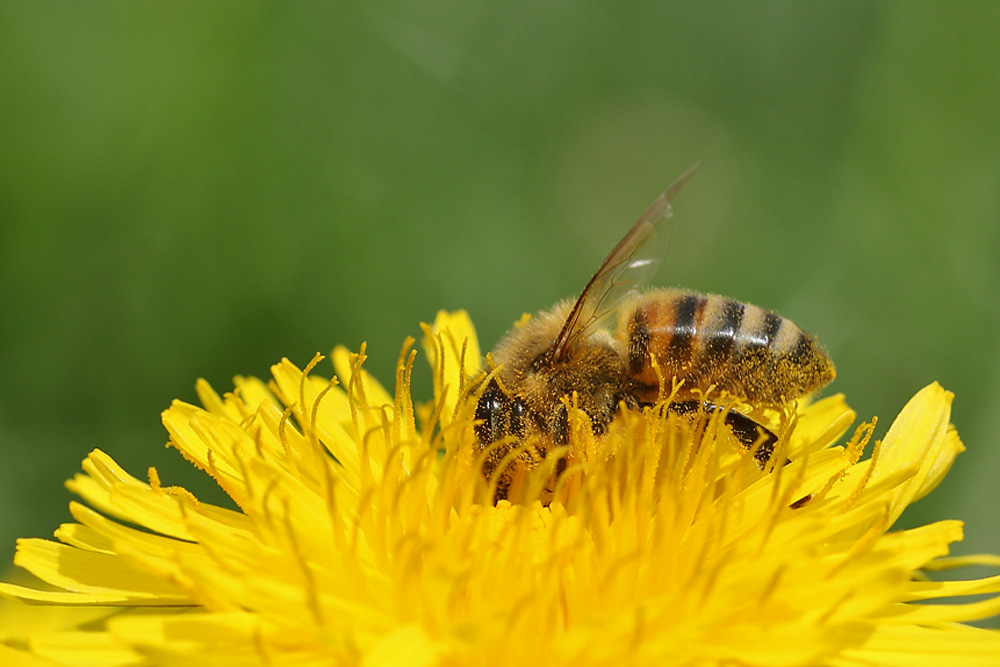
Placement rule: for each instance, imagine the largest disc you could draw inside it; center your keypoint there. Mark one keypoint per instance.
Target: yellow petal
(408, 645)
(914, 646)
(12, 657)
(915, 447)
(940, 464)
(84, 649)
(89, 572)
(370, 391)
(820, 424)
(452, 347)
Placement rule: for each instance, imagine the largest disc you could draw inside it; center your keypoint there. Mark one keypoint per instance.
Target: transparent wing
(628, 266)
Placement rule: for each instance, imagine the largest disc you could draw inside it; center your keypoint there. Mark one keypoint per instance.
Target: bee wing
(628, 266)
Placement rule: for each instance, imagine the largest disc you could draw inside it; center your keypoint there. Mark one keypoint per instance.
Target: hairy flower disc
(362, 533)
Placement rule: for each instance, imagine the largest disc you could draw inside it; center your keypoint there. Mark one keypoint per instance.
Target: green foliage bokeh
(199, 189)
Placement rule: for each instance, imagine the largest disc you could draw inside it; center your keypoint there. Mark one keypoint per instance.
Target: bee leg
(684, 407)
(749, 432)
(746, 430)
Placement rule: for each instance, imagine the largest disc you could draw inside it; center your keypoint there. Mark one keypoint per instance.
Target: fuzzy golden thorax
(591, 375)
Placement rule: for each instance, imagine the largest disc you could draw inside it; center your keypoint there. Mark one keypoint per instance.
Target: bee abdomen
(708, 340)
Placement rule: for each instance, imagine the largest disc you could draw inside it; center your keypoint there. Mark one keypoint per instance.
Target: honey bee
(708, 345)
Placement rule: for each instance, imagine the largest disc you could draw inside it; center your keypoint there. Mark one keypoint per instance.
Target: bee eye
(517, 411)
(490, 412)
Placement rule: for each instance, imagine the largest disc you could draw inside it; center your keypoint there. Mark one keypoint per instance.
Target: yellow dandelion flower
(362, 537)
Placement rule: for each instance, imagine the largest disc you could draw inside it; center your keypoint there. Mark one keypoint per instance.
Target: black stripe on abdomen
(718, 346)
(678, 352)
(772, 323)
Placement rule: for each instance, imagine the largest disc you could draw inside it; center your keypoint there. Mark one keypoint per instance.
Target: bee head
(499, 415)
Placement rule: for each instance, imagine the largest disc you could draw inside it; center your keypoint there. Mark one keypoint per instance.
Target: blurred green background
(199, 189)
